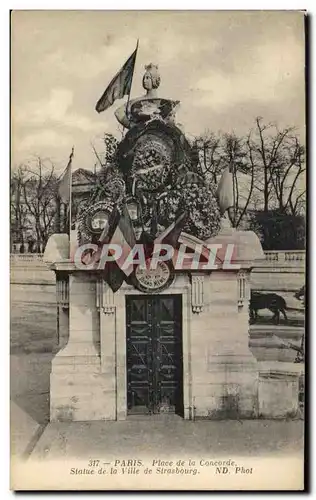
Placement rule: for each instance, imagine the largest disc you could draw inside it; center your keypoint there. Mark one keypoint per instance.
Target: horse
(275, 303)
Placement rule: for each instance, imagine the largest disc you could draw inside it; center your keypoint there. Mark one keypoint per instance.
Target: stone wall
(221, 376)
(281, 271)
(224, 377)
(32, 281)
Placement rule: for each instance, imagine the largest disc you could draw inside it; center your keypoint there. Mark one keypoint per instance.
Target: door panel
(154, 354)
(139, 354)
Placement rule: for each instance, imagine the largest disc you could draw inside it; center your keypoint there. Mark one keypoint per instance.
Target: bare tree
(217, 152)
(34, 203)
(267, 166)
(279, 162)
(39, 196)
(235, 155)
(18, 210)
(288, 175)
(209, 147)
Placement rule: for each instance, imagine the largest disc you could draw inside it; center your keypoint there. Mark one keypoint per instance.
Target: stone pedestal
(225, 385)
(224, 371)
(220, 374)
(82, 388)
(278, 393)
(62, 327)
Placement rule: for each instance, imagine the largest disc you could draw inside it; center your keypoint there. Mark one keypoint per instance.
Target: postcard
(158, 236)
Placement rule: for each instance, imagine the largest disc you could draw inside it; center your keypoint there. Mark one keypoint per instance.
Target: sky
(225, 67)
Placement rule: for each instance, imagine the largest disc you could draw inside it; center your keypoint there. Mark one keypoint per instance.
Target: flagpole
(130, 90)
(70, 191)
(234, 193)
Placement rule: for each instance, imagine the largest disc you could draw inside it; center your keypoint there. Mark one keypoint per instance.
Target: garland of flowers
(187, 191)
(203, 215)
(111, 144)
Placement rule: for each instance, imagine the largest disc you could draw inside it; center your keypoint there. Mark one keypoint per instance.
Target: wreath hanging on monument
(203, 216)
(154, 168)
(159, 165)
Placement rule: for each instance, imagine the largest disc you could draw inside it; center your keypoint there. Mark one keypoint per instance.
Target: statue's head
(151, 78)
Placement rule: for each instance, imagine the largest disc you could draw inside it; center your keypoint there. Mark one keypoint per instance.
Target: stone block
(76, 368)
(82, 313)
(57, 248)
(232, 405)
(203, 407)
(278, 394)
(82, 298)
(82, 397)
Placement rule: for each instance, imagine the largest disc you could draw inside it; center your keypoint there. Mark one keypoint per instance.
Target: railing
(281, 256)
(272, 256)
(296, 255)
(25, 257)
(285, 256)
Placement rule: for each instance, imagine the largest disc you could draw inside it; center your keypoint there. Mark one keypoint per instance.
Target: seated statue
(148, 106)
(156, 174)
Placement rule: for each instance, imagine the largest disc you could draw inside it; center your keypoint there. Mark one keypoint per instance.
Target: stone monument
(169, 340)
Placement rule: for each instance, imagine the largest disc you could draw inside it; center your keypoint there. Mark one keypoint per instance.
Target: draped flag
(64, 193)
(225, 191)
(118, 231)
(119, 86)
(64, 188)
(171, 235)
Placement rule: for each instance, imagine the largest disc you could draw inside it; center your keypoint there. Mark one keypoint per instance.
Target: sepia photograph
(158, 250)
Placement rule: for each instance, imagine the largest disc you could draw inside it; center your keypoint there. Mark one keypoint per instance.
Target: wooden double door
(154, 354)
